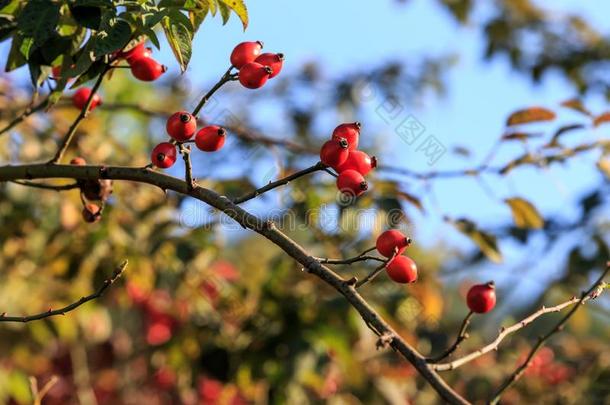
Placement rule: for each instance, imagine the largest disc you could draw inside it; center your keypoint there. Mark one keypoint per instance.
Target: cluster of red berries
(392, 244)
(255, 68)
(351, 164)
(141, 63)
(181, 126)
(143, 66)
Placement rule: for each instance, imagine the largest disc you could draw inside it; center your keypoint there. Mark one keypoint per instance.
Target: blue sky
(346, 34)
(343, 35)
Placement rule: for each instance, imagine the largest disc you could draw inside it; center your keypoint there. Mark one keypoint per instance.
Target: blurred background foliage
(207, 313)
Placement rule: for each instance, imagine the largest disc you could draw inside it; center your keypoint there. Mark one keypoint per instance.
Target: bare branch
(267, 229)
(278, 183)
(227, 77)
(375, 272)
(26, 113)
(62, 311)
(45, 186)
(188, 168)
(593, 292)
(362, 257)
(462, 335)
(504, 332)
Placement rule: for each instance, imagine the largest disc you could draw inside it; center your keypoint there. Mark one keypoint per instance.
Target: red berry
(254, 75)
(351, 182)
(164, 155)
(481, 298)
(137, 52)
(334, 152)
(402, 270)
(245, 52)
(181, 126)
(146, 69)
(79, 99)
(210, 138)
(392, 241)
(358, 161)
(351, 132)
(78, 161)
(274, 60)
(56, 72)
(92, 213)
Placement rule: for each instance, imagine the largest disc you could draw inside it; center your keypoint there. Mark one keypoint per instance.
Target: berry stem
(462, 335)
(62, 311)
(255, 193)
(360, 258)
(375, 272)
(82, 115)
(227, 77)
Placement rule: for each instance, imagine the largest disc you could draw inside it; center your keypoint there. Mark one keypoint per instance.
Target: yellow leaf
(525, 214)
(485, 241)
(239, 8)
(532, 114)
(603, 164)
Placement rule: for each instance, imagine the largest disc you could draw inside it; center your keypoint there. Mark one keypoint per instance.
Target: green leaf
(239, 8)
(94, 71)
(38, 20)
(525, 214)
(114, 36)
(179, 39)
(7, 26)
(87, 16)
(225, 12)
(485, 241)
(15, 58)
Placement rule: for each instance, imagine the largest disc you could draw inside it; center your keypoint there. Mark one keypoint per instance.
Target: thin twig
(375, 272)
(185, 151)
(593, 292)
(82, 115)
(45, 186)
(462, 335)
(62, 311)
(278, 183)
(26, 113)
(359, 258)
(504, 332)
(227, 77)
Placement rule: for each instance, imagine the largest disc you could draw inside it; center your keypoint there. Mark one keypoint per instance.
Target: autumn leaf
(525, 214)
(532, 114)
(601, 119)
(486, 242)
(576, 105)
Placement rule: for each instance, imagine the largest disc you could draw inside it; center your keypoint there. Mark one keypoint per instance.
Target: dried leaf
(532, 114)
(601, 119)
(603, 164)
(576, 105)
(525, 214)
(485, 241)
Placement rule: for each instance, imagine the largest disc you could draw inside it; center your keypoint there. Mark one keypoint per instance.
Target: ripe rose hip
(390, 241)
(481, 298)
(402, 269)
(351, 182)
(91, 213)
(181, 126)
(137, 52)
(349, 131)
(79, 99)
(78, 161)
(358, 161)
(210, 138)
(274, 60)
(254, 75)
(245, 52)
(146, 69)
(334, 152)
(164, 155)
